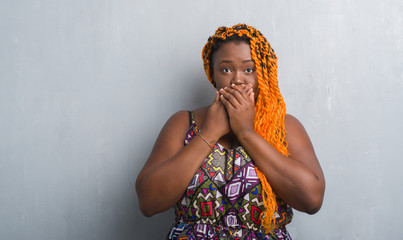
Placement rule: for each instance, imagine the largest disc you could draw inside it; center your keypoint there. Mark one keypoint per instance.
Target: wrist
(245, 134)
(208, 136)
(205, 141)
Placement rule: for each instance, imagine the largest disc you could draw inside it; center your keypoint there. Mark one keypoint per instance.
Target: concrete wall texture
(85, 87)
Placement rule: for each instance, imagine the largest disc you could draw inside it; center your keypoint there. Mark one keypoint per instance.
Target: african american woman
(236, 168)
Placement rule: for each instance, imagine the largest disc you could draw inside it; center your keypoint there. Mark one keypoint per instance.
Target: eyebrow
(228, 61)
(249, 60)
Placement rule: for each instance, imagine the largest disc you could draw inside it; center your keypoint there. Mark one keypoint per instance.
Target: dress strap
(191, 118)
(192, 122)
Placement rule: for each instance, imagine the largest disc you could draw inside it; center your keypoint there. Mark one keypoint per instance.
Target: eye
(249, 70)
(226, 70)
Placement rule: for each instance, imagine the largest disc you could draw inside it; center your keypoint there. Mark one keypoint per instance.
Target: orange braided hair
(270, 106)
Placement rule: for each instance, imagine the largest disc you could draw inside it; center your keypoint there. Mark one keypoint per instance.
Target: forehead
(232, 51)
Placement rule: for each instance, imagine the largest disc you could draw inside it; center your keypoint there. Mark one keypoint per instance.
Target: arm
(171, 165)
(298, 178)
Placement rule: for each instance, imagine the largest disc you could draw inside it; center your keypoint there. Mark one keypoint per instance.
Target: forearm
(293, 182)
(163, 185)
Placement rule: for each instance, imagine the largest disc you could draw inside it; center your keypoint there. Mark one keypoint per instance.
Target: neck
(229, 140)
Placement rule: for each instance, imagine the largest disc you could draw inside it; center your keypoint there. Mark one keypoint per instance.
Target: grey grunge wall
(85, 87)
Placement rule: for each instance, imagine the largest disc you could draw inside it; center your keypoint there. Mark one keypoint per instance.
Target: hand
(216, 123)
(239, 101)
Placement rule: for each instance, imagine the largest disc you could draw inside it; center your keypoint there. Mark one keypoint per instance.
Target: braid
(270, 106)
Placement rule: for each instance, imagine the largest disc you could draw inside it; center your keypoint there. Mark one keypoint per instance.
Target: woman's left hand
(239, 100)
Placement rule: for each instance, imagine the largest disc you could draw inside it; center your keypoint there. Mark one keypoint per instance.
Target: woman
(234, 169)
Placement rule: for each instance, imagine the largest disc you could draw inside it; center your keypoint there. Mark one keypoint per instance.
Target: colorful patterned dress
(224, 199)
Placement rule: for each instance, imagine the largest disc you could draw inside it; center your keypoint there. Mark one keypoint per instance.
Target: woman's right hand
(216, 123)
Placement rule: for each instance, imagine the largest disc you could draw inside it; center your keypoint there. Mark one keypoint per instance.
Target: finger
(245, 98)
(238, 94)
(231, 96)
(245, 95)
(244, 89)
(247, 89)
(240, 87)
(217, 97)
(228, 106)
(252, 97)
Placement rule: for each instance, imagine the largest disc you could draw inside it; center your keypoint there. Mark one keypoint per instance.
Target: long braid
(270, 106)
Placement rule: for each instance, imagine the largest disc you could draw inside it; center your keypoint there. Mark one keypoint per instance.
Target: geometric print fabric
(224, 199)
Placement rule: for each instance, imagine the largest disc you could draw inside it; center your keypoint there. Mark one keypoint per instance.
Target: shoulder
(178, 121)
(290, 119)
(172, 134)
(180, 116)
(296, 136)
(292, 124)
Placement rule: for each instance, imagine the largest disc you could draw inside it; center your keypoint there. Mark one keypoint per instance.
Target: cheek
(221, 82)
(255, 85)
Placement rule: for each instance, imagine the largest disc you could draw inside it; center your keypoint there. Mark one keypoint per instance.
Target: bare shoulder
(179, 117)
(292, 122)
(176, 126)
(296, 137)
(170, 140)
(293, 126)
(172, 135)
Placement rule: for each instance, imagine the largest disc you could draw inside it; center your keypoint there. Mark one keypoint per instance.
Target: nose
(237, 79)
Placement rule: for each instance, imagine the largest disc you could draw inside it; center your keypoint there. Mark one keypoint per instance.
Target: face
(233, 63)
